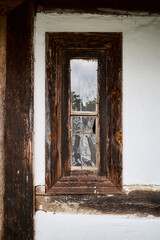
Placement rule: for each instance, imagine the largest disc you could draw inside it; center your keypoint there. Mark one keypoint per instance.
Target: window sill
(83, 185)
(141, 203)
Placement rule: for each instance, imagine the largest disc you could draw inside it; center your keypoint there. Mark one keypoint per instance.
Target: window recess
(83, 113)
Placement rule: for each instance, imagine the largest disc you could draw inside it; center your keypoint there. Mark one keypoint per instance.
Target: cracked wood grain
(18, 197)
(60, 48)
(3, 29)
(141, 203)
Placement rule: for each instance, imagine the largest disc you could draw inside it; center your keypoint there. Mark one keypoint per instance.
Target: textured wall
(141, 87)
(141, 114)
(106, 227)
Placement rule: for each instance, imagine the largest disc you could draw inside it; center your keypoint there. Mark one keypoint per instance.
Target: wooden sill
(80, 184)
(142, 203)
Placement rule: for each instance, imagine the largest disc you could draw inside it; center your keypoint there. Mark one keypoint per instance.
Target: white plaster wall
(51, 226)
(141, 117)
(141, 88)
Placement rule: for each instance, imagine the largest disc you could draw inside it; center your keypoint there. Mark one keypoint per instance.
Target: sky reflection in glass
(83, 85)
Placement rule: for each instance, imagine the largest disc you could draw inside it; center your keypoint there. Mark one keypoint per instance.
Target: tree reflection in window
(77, 102)
(83, 100)
(83, 84)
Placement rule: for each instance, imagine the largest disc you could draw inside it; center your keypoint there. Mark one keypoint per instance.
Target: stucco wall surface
(141, 117)
(141, 88)
(51, 226)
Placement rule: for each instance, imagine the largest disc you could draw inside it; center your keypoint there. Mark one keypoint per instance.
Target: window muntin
(84, 102)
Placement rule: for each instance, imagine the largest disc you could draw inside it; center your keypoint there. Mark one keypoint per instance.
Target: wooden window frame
(60, 48)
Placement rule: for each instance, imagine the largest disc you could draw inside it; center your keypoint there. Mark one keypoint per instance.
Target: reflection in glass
(83, 141)
(83, 84)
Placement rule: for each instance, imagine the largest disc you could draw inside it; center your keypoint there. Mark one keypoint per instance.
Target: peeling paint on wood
(142, 203)
(18, 197)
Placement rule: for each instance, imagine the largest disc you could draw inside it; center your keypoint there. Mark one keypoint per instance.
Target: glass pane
(83, 141)
(83, 85)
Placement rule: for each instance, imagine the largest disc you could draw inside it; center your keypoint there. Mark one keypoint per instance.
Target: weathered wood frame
(86, 54)
(56, 95)
(18, 125)
(3, 35)
(142, 203)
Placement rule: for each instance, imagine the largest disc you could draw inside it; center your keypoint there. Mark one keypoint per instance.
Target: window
(83, 113)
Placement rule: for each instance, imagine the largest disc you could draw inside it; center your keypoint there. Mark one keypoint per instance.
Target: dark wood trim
(142, 203)
(3, 35)
(83, 185)
(100, 55)
(65, 137)
(114, 111)
(94, 6)
(66, 45)
(18, 197)
(53, 99)
(102, 113)
(6, 6)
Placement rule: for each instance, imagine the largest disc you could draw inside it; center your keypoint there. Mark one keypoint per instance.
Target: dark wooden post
(18, 196)
(2, 98)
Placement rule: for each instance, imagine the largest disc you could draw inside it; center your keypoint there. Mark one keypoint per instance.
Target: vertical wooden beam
(114, 109)
(18, 197)
(2, 97)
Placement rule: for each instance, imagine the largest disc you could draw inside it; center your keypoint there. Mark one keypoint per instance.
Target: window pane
(83, 141)
(83, 84)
